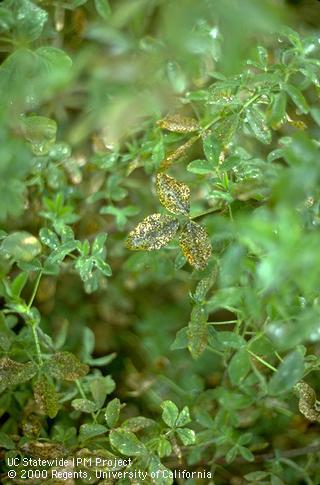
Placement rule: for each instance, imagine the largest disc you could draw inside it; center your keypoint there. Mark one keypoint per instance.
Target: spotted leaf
(46, 396)
(173, 195)
(154, 232)
(195, 245)
(179, 124)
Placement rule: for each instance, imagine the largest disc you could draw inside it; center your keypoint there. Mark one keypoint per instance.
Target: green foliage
(199, 350)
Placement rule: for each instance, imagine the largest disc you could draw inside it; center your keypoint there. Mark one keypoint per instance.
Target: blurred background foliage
(83, 86)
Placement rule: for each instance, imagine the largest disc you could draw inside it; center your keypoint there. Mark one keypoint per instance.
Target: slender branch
(35, 289)
(37, 343)
(264, 362)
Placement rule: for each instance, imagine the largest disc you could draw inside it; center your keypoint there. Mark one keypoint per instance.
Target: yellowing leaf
(154, 232)
(178, 153)
(307, 401)
(173, 195)
(179, 124)
(64, 365)
(197, 331)
(195, 245)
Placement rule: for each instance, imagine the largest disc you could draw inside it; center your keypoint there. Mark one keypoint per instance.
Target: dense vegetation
(159, 242)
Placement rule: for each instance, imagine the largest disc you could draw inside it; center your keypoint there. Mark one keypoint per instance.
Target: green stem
(37, 343)
(213, 209)
(264, 362)
(35, 289)
(83, 395)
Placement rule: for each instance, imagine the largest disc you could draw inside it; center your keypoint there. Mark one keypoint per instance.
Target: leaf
(173, 195)
(197, 331)
(212, 149)
(181, 340)
(13, 373)
(289, 372)
(126, 442)
(178, 153)
(19, 283)
(21, 246)
(88, 431)
(84, 405)
(184, 417)
(100, 387)
(154, 232)
(29, 20)
(278, 110)
(46, 396)
(187, 436)
(225, 128)
(179, 124)
(195, 245)
(40, 132)
(65, 365)
(307, 401)
(239, 366)
(164, 447)
(112, 412)
(6, 442)
(257, 123)
(170, 413)
(298, 98)
(200, 167)
(103, 8)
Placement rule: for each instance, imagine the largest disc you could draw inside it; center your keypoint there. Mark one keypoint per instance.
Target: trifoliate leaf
(13, 373)
(154, 232)
(46, 396)
(126, 442)
(64, 365)
(195, 245)
(179, 124)
(173, 195)
(21, 246)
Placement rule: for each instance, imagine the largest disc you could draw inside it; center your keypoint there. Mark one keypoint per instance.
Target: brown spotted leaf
(46, 396)
(307, 401)
(13, 373)
(173, 195)
(179, 124)
(154, 232)
(195, 245)
(65, 365)
(178, 153)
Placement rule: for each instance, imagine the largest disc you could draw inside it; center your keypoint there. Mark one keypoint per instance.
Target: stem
(35, 289)
(225, 322)
(83, 395)
(264, 362)
(213, 209)
(37, 343)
